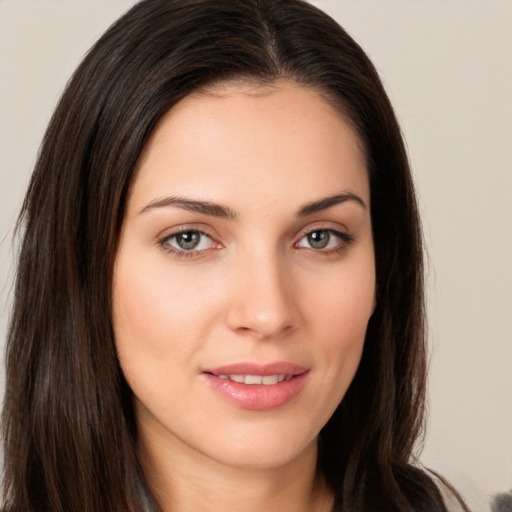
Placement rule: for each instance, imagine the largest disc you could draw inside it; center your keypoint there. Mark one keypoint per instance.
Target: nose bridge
(262, 302)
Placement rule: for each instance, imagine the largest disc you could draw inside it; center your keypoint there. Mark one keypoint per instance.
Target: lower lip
(257, 397)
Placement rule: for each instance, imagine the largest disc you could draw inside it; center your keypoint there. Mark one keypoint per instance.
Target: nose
(262, 303)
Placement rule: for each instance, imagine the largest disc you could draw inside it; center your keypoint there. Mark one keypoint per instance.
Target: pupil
(318, 239)
(188, 240)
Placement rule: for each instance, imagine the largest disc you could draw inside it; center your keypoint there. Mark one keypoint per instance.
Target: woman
(219, 301)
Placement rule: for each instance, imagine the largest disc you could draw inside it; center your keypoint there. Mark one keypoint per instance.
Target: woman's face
(245, 276)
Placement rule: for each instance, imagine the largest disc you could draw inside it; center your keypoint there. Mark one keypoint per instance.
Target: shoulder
(451, 503)
(451, 498)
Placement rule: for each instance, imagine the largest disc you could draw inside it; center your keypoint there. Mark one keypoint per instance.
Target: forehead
(236, 137)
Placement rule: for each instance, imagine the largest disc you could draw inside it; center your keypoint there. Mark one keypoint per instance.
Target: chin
(265, 451)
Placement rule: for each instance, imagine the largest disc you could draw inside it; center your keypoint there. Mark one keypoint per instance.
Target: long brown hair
(68, 422)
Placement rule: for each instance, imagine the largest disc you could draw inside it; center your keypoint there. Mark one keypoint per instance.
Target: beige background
(447, 65)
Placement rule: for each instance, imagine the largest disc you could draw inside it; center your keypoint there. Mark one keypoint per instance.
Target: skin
(255, 289)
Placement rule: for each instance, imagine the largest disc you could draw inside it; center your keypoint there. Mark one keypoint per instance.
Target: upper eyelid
(203, 229)
(164, 242)
(344, 235)
(323, 226)
(170, 232)
(330, 230)
(176, 233)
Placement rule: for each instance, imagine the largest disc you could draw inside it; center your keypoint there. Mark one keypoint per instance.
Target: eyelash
(345, 241)
(344, 238)
(180, 253)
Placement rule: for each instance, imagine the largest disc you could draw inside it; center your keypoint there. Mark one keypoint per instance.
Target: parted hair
(69, 430)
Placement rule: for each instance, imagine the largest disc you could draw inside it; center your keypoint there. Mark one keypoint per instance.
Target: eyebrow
(224, 212)
(204, 207)
(327, 202)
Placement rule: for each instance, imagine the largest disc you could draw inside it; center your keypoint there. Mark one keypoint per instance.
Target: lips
(251, 380)
(257, 387)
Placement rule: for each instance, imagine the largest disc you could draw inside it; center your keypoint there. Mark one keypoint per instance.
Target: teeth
(253, 379)
(267, 380)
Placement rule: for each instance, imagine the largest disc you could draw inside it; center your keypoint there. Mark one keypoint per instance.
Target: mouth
(257, 387)
(254, 380)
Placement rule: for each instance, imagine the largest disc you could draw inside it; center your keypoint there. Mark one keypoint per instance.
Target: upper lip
(248, 368)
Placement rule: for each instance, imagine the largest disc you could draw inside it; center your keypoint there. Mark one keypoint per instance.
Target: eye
(190, 241)
(324, 239)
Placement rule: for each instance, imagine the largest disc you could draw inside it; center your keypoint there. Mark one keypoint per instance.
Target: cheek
(152, 307)
(160, 319)
(345, 300)
(340, 311)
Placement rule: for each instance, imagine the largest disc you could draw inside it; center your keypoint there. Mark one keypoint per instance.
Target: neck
(192, 482)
